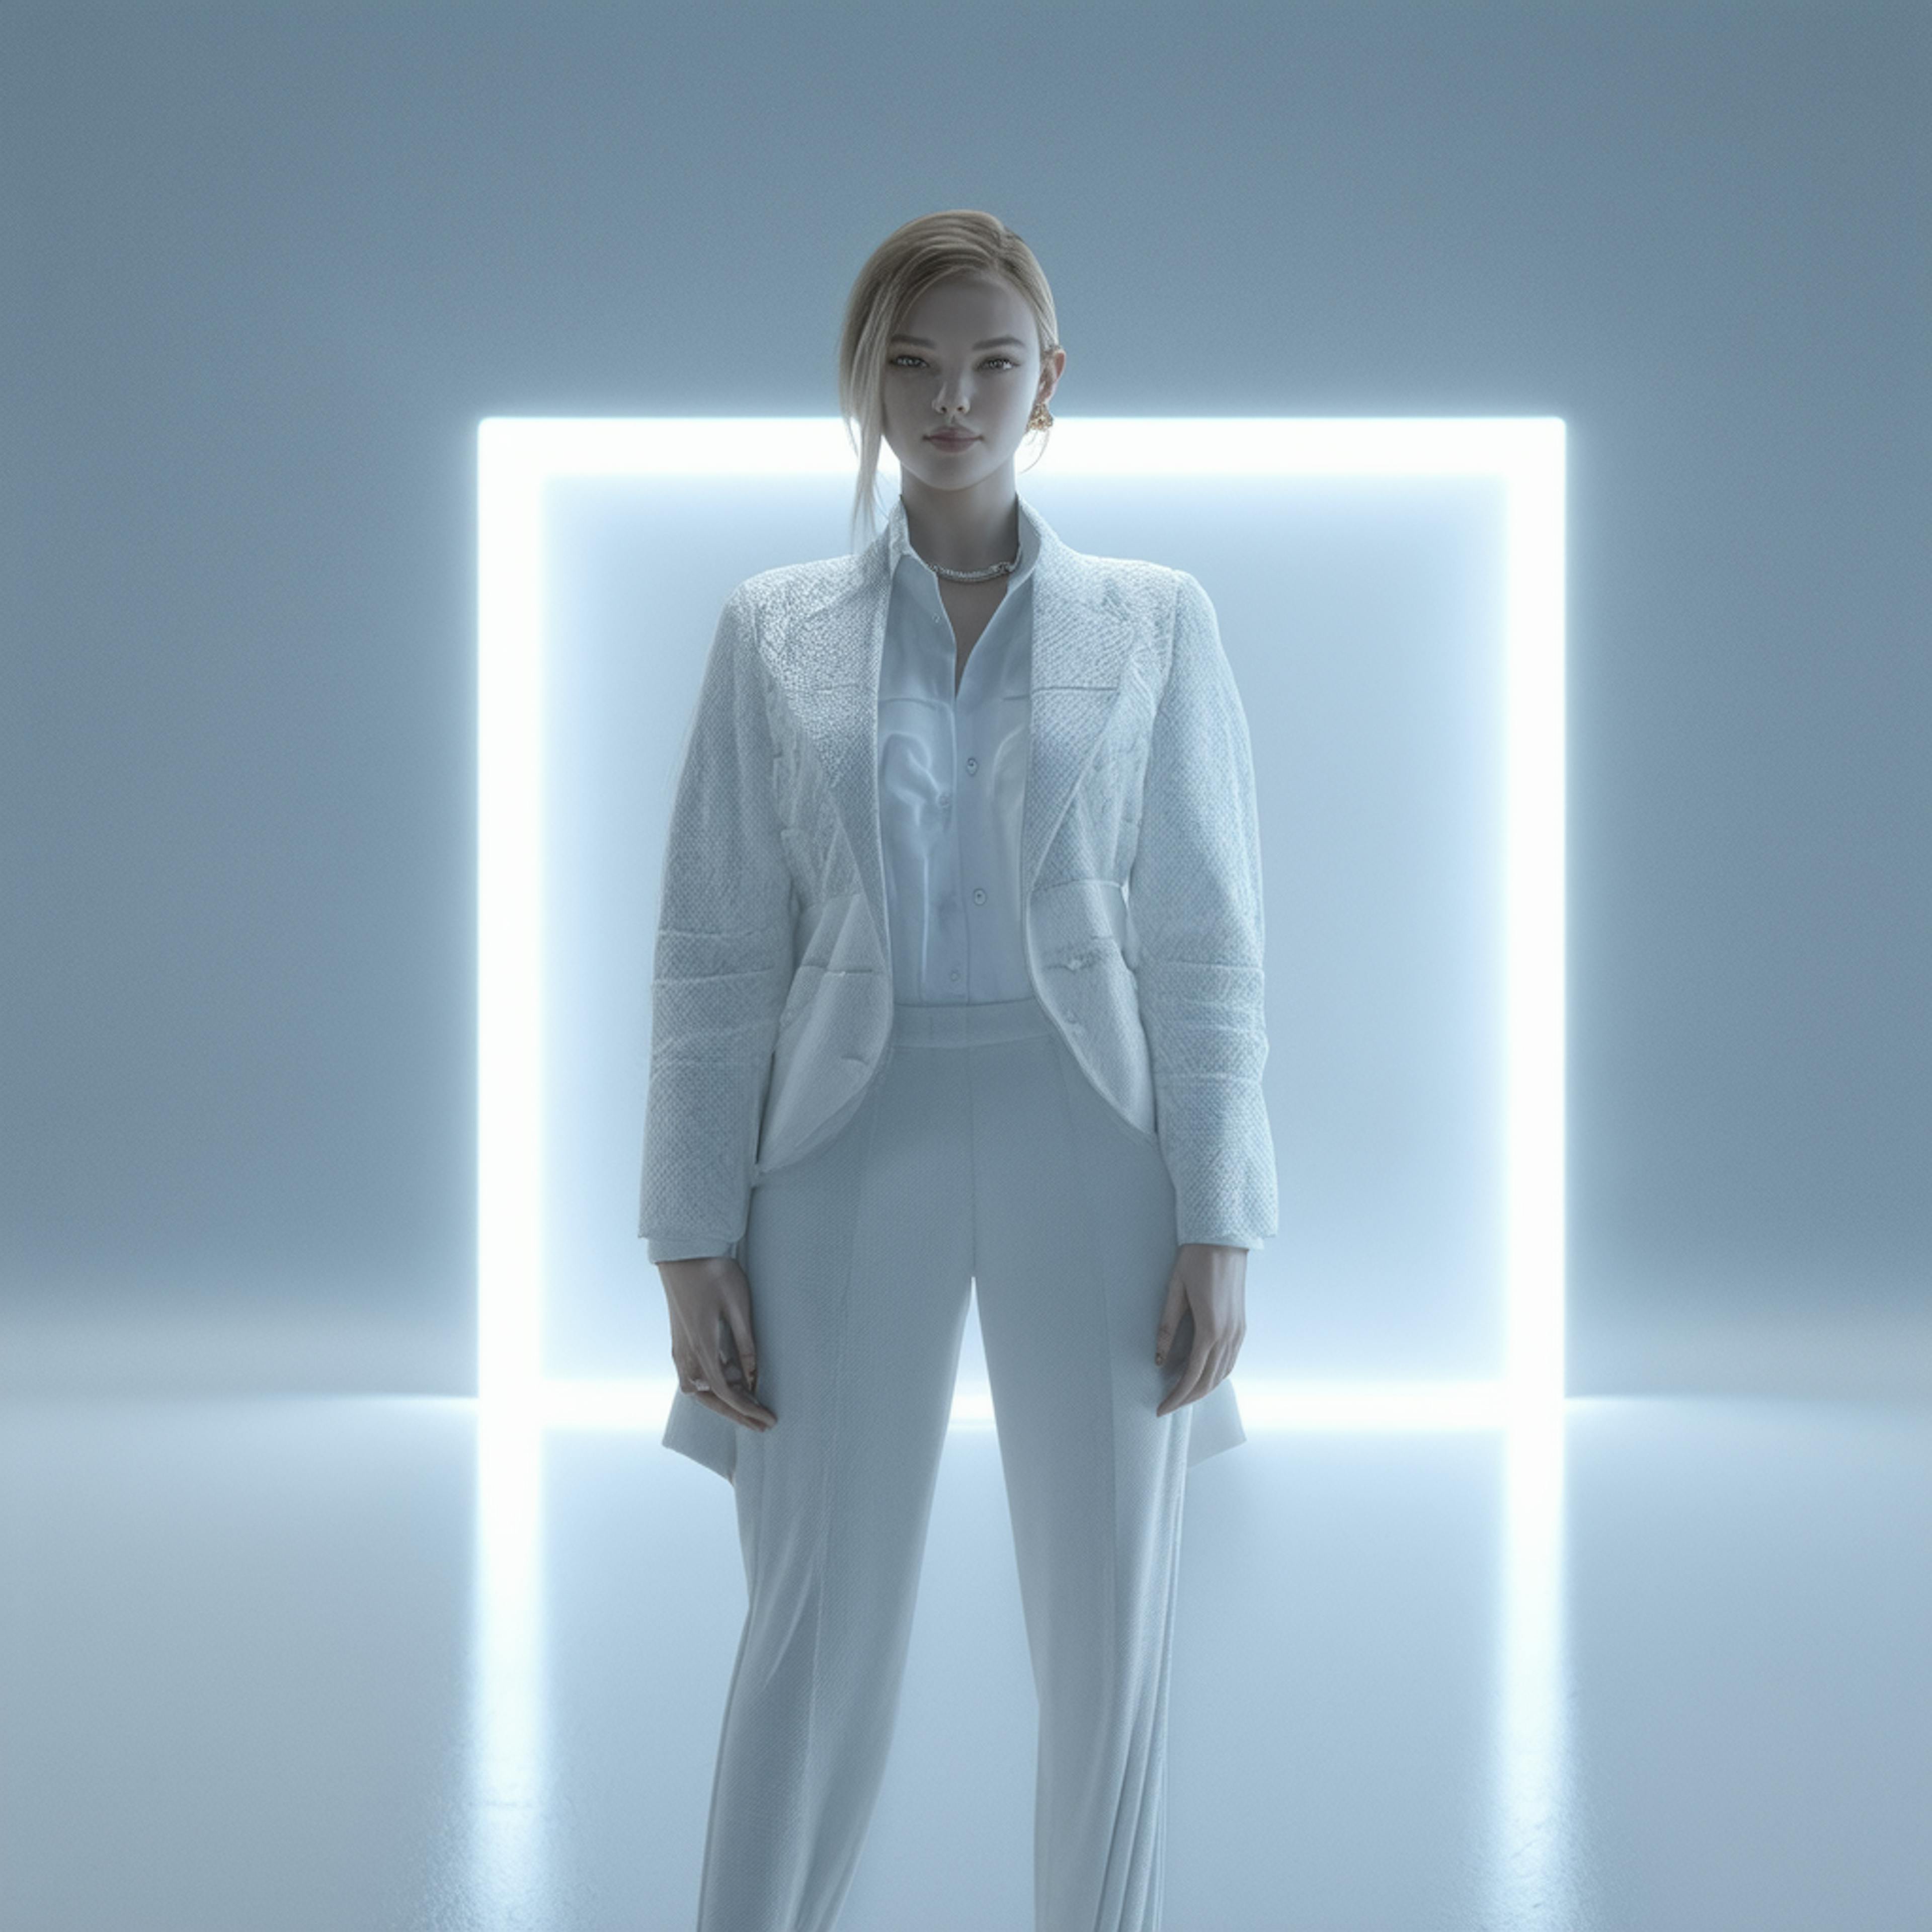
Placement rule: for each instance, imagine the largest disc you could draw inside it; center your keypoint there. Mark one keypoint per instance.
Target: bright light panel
(518, 457)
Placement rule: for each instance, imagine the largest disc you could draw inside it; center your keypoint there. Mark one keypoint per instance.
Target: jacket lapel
(827, 663)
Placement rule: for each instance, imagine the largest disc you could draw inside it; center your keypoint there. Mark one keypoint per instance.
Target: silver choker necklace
(976, 576)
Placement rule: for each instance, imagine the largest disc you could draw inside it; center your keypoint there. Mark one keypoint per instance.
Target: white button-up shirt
(952, 774)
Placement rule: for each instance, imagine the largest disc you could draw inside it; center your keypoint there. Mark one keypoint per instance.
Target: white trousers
(981, 1157)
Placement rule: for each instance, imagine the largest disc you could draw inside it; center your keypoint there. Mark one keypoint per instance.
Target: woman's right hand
(711, 1336)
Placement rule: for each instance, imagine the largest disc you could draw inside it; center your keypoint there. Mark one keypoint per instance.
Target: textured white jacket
(772, 990)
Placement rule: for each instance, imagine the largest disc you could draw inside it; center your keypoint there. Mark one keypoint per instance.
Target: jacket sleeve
(1194, 897)
(723, 961)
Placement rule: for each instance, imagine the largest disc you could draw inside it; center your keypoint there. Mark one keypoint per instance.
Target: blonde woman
(958, 984)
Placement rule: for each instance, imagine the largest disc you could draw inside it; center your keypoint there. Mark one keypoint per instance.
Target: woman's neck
(963, 529)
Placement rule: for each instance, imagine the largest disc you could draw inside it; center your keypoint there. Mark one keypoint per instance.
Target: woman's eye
(906, 355)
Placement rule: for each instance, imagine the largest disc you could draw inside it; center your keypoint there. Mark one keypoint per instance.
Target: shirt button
(972, 764)
(979, 895)
(945, 799)
(954, 974)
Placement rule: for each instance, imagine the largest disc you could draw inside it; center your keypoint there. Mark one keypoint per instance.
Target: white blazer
(772, 990)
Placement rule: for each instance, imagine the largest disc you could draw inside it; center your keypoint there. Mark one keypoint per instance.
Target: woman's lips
(952, 442)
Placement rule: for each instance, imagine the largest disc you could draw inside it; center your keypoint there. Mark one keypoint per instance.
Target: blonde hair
(958, 241)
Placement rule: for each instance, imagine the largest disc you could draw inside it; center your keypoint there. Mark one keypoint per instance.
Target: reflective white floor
(262, 1673)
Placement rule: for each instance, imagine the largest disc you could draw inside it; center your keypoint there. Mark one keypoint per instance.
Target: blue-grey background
(264, 268)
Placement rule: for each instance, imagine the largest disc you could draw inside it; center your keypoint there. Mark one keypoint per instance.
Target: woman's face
(966, 359)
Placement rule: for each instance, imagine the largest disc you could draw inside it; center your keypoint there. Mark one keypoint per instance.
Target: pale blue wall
(265, 267)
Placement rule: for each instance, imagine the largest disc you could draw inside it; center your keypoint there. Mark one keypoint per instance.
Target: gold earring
(1041, 417)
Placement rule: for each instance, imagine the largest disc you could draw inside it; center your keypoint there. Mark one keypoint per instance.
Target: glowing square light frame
(517, 457)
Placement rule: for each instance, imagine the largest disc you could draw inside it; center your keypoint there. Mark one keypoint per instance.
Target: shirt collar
(899, 545)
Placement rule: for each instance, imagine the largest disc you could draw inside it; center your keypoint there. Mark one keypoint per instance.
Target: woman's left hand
(1212, 1282)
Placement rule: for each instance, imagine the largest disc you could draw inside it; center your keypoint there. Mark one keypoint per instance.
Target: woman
(958, 984)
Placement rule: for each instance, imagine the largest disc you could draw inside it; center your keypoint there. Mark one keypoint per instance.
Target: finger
(738, 1318)
(1222, 1361)
(724, 1350)
(1185, 1352)
(1184, 1380)
(1221, 1341)
(692, 1377)
(741, 1406)
(730, 1414)
(734, 1408)
(1195, 1381)
(1170, 1315)
(1199, 1381)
